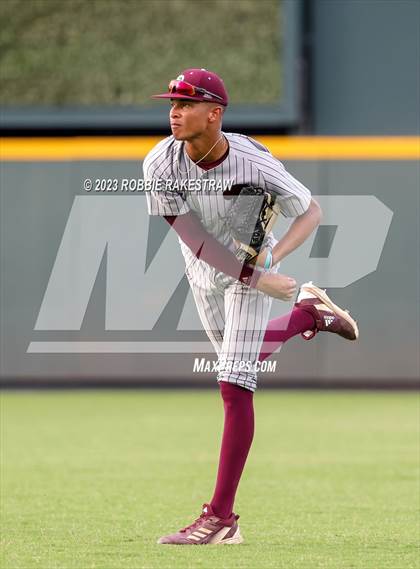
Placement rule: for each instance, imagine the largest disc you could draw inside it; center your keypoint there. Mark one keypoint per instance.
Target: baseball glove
(251, 217)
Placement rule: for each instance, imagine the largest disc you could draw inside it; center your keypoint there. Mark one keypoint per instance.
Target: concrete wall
(365, 73)
(118, 279)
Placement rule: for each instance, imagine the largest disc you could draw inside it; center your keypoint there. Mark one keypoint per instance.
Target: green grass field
(92, 479)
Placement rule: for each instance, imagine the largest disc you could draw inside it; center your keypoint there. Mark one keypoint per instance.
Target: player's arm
(294, 201)
(204, 246)
(298, 232)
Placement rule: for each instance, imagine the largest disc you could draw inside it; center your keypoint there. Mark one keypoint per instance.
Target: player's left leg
(238, 433)
(217, 523)
(220, 526)
(210, 308)
(247, 312)
(207, 529)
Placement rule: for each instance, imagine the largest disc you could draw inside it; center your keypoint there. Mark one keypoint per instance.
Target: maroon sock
(281, 329)
(237, 438)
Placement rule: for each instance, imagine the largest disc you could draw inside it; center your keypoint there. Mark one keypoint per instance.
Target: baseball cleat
(208, 529)
(328, 316)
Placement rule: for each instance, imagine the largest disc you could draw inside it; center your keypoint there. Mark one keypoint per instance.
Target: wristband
(268, 260)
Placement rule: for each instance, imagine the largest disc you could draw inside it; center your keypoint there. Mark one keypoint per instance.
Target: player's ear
(215, 113)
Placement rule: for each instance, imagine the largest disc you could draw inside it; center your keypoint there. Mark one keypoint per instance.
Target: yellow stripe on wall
(284, 147)
(344, 148)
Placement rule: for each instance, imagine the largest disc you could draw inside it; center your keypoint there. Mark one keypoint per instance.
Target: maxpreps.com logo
(146, 291)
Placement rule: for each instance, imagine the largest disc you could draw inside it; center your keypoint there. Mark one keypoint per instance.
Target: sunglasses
(184, 88)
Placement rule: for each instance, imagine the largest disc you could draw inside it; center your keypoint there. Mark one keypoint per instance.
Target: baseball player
(233, 281)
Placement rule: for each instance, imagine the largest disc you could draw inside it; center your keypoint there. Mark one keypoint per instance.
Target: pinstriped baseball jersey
(234, 316)
(248, 162)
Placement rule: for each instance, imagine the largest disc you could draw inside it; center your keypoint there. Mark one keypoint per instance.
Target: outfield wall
(94, 292)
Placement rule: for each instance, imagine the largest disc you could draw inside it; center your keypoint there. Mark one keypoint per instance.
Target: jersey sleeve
(293, 197)
(161, 201)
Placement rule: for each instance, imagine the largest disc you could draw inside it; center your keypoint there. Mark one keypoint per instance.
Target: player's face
(188, 119)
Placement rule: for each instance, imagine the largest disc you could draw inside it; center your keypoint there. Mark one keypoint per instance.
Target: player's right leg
(329, 317)
(313, 312)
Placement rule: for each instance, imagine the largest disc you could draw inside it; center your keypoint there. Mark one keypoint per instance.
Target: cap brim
(198, 99)
(177, 96)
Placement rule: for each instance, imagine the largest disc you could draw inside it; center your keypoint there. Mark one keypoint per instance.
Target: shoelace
(197, 522)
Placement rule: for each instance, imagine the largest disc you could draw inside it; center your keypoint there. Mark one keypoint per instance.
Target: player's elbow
(316, 211)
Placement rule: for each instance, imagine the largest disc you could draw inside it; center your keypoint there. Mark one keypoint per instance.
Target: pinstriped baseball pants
(235, 319)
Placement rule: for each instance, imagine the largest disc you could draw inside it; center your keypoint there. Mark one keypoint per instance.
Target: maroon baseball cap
(197, 85)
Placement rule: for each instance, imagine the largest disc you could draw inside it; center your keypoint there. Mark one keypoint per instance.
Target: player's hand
(277, 286)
